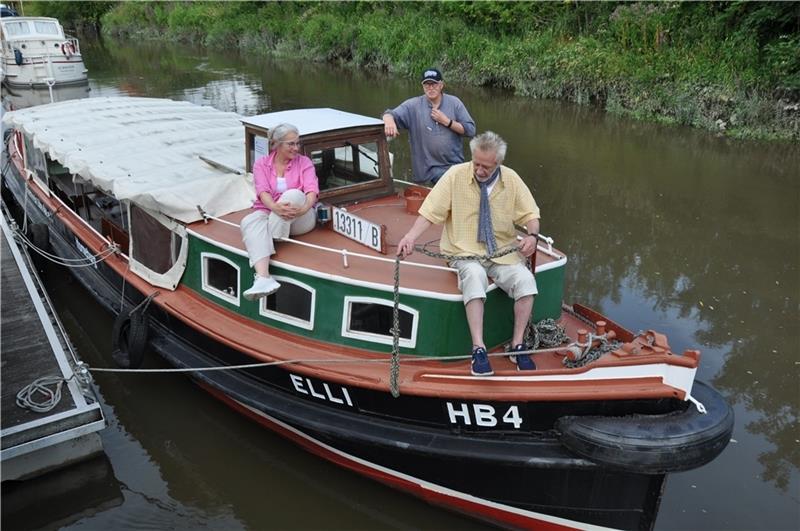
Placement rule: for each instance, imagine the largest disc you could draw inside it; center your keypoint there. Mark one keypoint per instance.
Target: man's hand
(406, 246)
(390, 126)
(440, 117)
(528, 245)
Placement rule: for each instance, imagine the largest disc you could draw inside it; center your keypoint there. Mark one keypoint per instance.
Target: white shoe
(262, 287)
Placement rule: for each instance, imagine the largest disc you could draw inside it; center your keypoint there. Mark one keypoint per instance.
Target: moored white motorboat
(37, 53)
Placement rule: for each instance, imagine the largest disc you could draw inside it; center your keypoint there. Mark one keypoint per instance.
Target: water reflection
(665, 228)
(22, 98)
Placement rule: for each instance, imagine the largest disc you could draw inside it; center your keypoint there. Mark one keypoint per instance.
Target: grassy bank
(733, 68)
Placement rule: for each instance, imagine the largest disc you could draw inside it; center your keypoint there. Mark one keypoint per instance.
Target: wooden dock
(32, 346)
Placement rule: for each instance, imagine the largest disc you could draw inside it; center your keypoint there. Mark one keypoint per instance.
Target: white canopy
(310, 121)
(146, 151)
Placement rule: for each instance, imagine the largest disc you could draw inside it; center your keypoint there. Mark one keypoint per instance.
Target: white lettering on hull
(337, 395)
(483, 415)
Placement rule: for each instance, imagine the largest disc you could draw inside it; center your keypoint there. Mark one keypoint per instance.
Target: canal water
(670, 228)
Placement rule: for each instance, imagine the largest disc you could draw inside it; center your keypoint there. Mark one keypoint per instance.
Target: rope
(89, 261)
(145, 303)
(394, 370)
(27, 396)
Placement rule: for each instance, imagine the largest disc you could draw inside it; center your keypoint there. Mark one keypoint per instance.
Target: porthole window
(220, 277)
(293, 303)
(370, 319)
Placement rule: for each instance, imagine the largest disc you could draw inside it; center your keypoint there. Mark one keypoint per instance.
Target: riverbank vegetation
(728, 67)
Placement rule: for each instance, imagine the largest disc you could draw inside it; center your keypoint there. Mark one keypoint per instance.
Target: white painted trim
(378, 338)
(211, 290)
(679, 377)
(431, 487)
(286, 318)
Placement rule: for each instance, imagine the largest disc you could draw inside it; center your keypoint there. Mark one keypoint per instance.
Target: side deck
(33, 443)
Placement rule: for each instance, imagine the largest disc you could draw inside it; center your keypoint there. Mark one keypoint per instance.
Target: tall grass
(728, 67)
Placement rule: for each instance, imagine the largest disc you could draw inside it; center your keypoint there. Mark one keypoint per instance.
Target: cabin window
(15, 28)
(154, 245)
(370, 319)
(45, 28)
(220, 277)
(293, 303)
(345, 163)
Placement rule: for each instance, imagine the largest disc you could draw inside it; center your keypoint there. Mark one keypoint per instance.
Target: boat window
(293, 303)
(45, 28)
(345, 163)
(153, 244)
(35, 161)
(16, 28)
(220, 277)
(370, 319)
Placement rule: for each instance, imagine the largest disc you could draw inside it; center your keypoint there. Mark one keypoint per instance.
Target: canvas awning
(147, 151)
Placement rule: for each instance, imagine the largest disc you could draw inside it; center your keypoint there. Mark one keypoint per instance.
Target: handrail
(344, 253)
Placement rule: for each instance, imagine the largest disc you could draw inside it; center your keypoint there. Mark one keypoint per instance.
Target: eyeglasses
(293, 143)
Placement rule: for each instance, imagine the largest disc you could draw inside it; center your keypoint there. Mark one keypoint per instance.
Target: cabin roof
(310, 121)
(147, 151)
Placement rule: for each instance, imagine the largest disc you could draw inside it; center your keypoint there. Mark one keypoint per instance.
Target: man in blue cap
(436, 123)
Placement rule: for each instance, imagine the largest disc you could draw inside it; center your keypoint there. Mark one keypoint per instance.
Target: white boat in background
(37, 53)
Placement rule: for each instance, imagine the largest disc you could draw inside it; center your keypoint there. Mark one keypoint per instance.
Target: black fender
(653, 444)
(129, 338)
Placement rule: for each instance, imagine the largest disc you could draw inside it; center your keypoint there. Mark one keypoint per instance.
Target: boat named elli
(357, 358)
(37, 53)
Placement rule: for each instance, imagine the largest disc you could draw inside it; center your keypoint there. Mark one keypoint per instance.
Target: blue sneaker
(480, 363)
(524, 361)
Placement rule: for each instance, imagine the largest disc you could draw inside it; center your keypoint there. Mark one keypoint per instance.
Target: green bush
(700, 64)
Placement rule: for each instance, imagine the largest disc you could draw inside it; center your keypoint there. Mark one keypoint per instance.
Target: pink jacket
(299, 174)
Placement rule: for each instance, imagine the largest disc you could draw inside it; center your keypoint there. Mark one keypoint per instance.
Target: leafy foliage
(729, 66)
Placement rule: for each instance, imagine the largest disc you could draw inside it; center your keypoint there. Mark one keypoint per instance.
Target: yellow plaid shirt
(455, 202)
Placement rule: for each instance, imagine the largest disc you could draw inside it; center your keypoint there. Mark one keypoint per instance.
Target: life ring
(129, 338)
(653, 444)
(68, 49)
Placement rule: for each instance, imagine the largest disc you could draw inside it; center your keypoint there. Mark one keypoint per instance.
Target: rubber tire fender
(653, 444)
(129, 338)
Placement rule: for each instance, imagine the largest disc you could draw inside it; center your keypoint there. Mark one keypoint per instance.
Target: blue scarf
(485, 229)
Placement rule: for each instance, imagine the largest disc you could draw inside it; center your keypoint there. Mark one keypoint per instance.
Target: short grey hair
(490, 141)
(281, 131)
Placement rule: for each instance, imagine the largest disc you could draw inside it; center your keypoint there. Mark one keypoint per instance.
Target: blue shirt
(434, 147)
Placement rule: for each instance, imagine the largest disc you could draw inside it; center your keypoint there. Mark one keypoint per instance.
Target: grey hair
(490, 141)
(281, 131)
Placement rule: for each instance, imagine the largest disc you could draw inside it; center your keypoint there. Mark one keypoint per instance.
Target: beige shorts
(260, 228)
(473, 279)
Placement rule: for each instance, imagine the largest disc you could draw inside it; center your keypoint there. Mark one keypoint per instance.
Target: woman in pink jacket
(286, 189)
